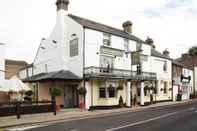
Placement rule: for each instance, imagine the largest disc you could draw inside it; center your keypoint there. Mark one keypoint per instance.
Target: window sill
(107, 98)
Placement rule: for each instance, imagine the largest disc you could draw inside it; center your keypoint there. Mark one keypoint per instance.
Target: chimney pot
(166, 53)
(62, 4)
(150, 42)
(127, 26)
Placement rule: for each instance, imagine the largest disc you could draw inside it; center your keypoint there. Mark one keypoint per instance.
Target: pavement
(100, 120)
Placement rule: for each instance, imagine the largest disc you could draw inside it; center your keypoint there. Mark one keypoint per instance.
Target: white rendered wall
(93, 42)
(55, 56)
(2, 62)
(157, 67)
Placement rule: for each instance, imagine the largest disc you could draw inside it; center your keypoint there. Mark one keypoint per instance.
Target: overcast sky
(171, 23)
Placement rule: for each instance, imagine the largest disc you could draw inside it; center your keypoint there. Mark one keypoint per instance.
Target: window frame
(165, 87)
(107, 39)
(126, 45)
(165, 66)
(104, 92)
(74, 47)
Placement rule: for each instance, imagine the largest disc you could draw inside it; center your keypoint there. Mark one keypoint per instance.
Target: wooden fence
(21, 108)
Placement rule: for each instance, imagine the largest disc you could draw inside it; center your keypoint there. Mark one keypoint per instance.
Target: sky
(172, 24)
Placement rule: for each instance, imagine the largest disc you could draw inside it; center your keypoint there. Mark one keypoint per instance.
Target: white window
(126, 45)
(102, 92)
(107, 91)
(106, 63)
(138, 46)
(165, 87)
(165, 66)
(73, 47)
(106, 39)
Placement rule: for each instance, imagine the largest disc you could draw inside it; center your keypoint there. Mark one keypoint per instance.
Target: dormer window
(106, 39)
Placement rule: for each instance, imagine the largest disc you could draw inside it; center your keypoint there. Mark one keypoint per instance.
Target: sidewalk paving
(70, 114)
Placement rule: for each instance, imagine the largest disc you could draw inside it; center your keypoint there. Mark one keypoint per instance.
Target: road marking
(148, 120)
(23, 128)
(196, 111)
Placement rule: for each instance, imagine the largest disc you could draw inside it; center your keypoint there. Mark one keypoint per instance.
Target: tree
(55, 91)
(193, 51)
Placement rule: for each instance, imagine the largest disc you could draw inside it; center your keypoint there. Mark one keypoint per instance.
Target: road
(170, 118)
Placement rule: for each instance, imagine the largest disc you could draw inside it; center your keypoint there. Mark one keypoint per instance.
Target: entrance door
(70, 96)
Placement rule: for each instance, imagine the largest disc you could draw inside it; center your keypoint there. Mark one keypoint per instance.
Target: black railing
(98, 72)
(20, 108)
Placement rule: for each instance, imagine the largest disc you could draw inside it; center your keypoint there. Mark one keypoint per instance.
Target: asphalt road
(170, 118)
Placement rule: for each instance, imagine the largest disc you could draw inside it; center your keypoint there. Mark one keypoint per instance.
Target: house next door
(70, 96)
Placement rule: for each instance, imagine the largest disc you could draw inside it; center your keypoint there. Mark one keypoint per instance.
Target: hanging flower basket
(110, 87)
(81, 91)
(120, 87)
(161, 89)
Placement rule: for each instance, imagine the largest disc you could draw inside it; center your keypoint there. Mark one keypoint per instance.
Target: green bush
(55, 91)
(120, 87)
(179, 97)
(121, 101)
(82, 91)
(29, 93)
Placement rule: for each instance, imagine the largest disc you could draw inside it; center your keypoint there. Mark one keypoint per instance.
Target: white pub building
(2, 62)
(83, 53)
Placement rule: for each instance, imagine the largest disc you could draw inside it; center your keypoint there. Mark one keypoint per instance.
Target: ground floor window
(102, 92)
(112, 92)
(107, 90)
(165, 87)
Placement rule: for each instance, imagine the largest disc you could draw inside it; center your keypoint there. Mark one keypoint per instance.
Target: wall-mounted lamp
(73, 35)
(42, 47)
(54, 41)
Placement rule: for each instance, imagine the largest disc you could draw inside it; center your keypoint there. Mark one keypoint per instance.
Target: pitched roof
(60, 75)
(185, 65)
(176, 62)
(16, 62)
(158, 54)
(104, 28)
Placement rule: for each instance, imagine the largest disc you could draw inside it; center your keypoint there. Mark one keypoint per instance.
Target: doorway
(70, 96)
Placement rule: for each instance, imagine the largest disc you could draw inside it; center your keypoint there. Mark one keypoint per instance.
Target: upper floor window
(138, 46)
(106, 63)
(106, 39)
(126, 45)
(165, 66)
(73, 47)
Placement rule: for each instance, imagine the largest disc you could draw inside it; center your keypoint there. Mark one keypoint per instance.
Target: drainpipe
(92, 98)
(155, 91)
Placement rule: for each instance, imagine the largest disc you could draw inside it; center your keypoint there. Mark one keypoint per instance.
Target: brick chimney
(62, 5)
(150, 42)
(166, 53)
(127, 26)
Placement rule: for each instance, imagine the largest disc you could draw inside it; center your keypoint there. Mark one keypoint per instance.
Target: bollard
(18, 110)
